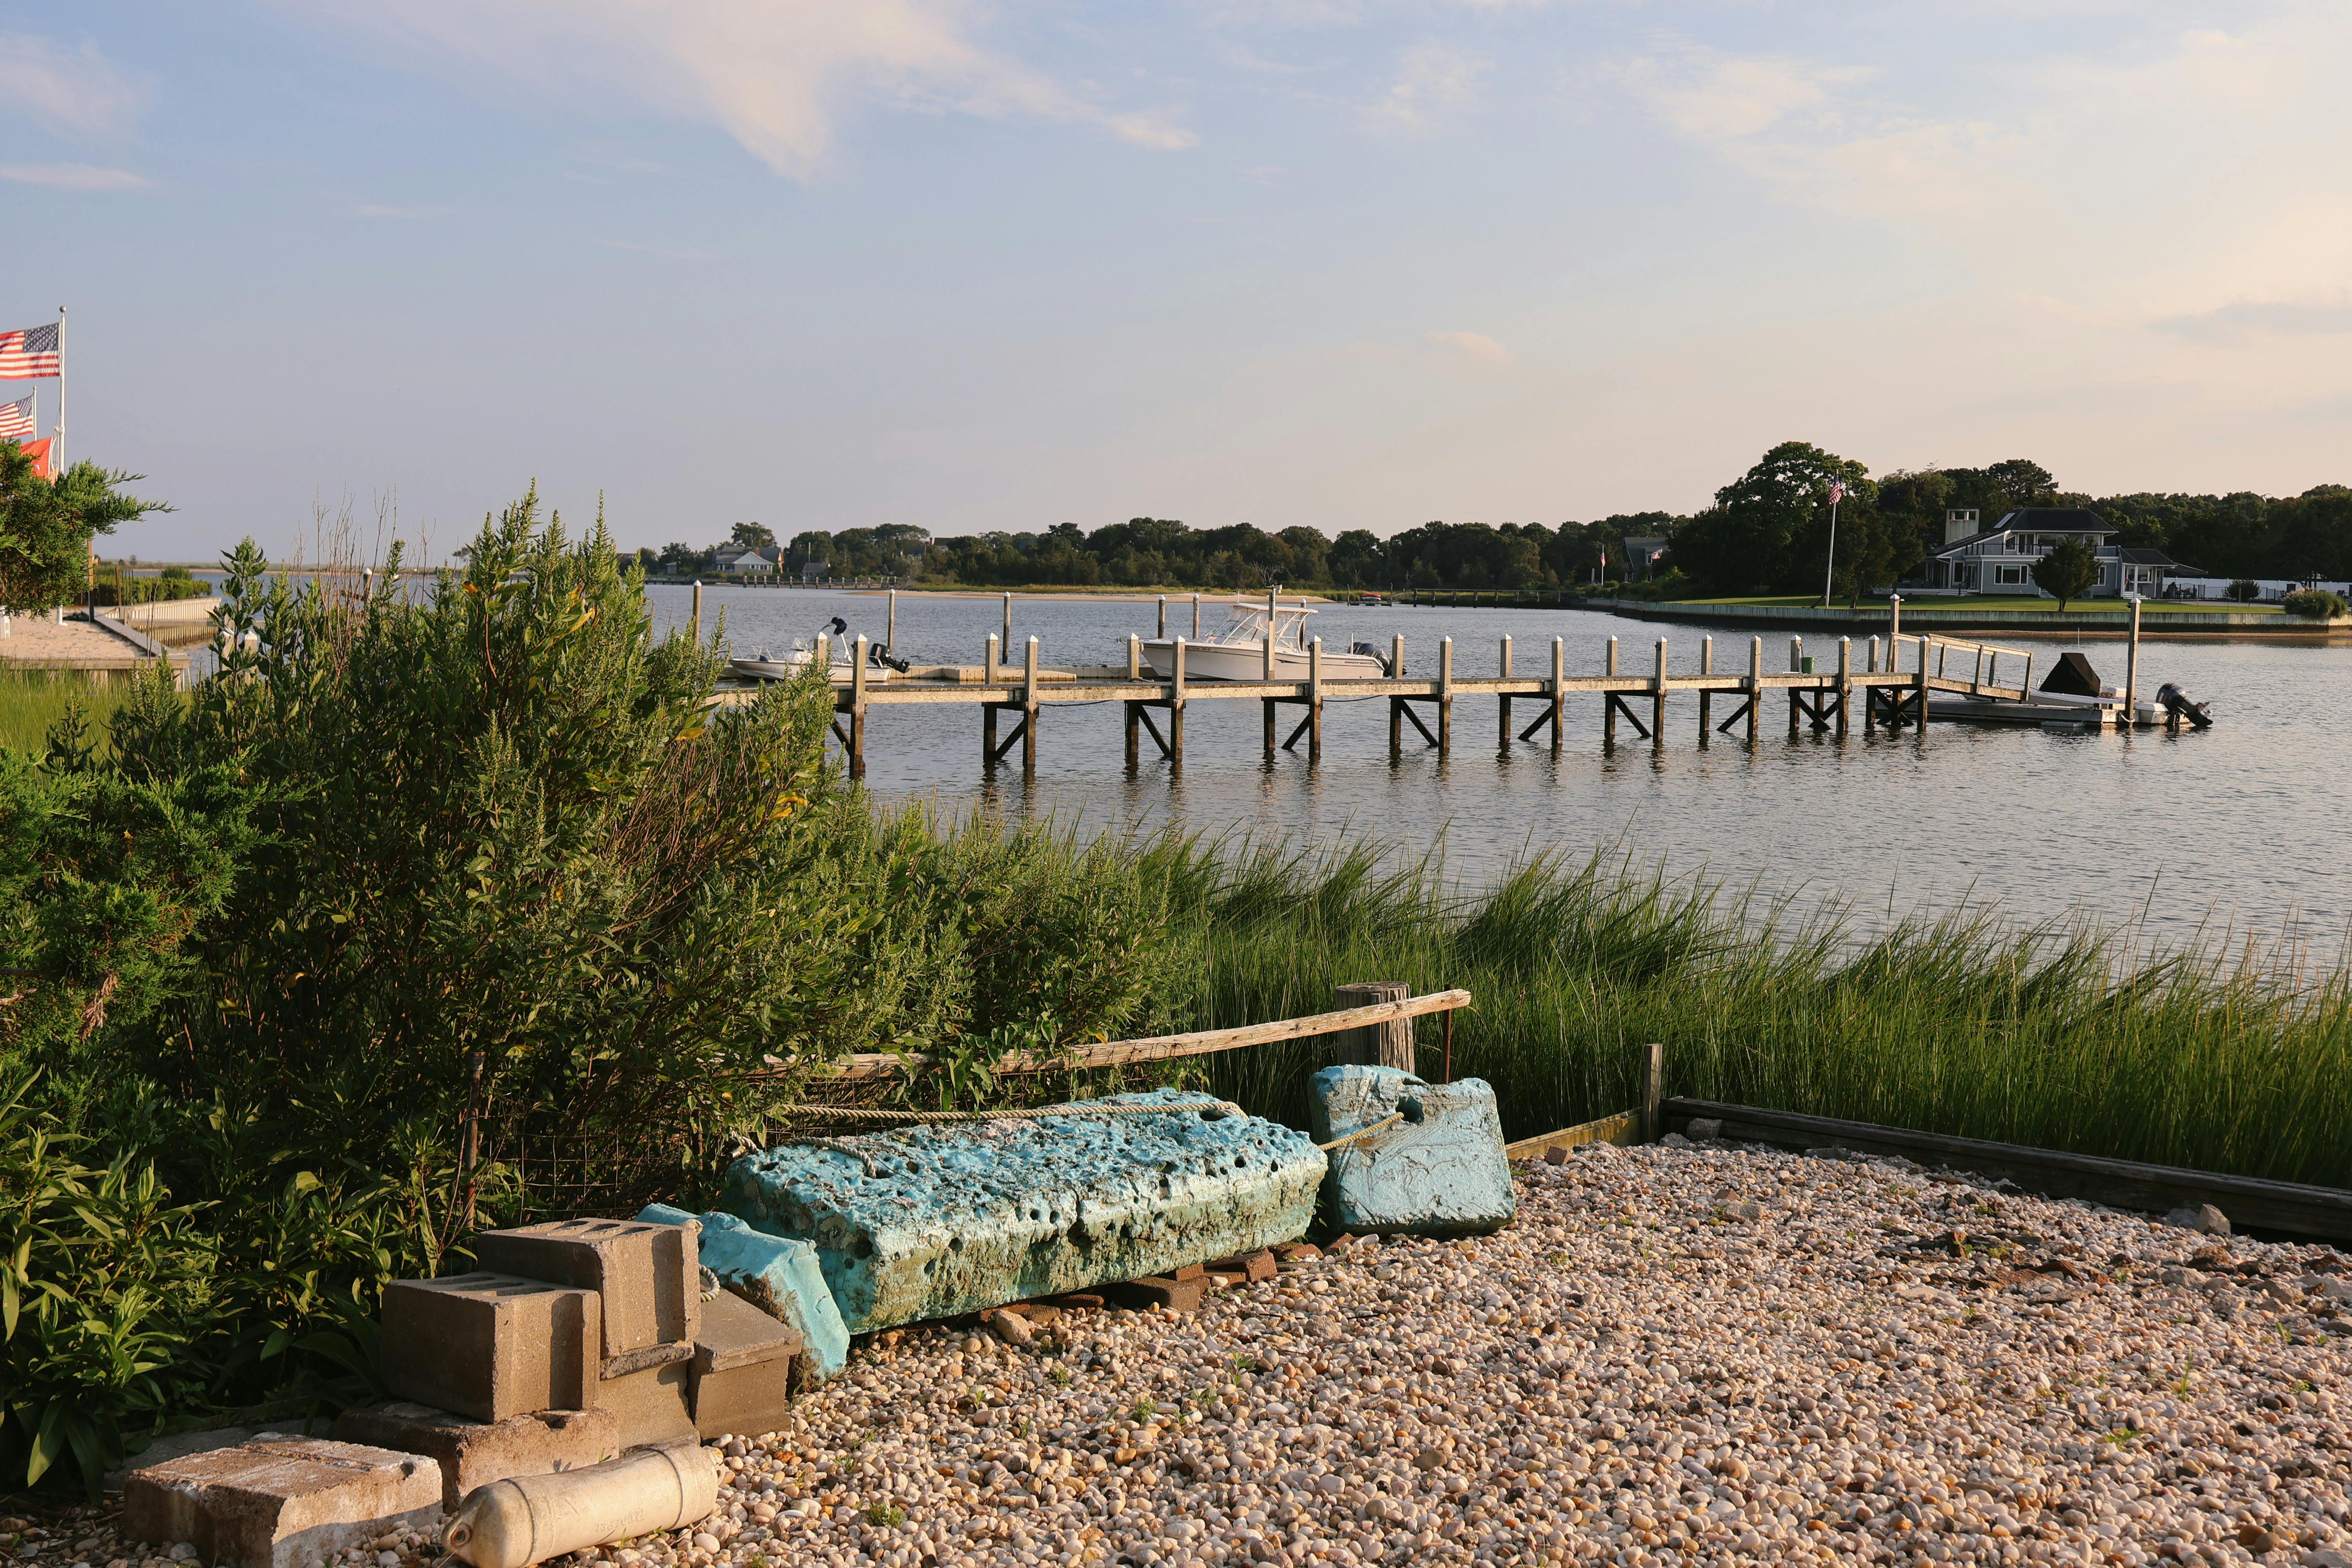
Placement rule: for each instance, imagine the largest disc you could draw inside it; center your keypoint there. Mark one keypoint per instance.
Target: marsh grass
(2067, 1034)
(33, 699)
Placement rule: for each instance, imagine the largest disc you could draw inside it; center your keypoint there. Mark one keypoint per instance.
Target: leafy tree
(2067, 571)
(751, 536)
(2244, 591)
(47, 525)
(1768, 531)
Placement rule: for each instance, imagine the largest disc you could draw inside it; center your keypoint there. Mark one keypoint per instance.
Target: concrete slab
(932, 1222)
(1440, 1171)
(779, 1275)
(743, 1369)
(647, 1274)
(490, 1346)
(279, 1501)
(475, 1453)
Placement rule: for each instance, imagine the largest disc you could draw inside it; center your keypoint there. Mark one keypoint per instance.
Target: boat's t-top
(1248, 619)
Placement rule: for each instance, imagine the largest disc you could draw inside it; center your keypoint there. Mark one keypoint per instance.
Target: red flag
(39, 452)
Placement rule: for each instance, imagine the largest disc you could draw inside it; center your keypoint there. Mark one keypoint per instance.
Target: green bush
(2245, 590)
(2319, 604)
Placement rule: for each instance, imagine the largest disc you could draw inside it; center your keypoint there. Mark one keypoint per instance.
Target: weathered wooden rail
(1820, 699)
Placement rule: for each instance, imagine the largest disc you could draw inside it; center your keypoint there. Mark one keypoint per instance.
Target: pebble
(1881, 1365)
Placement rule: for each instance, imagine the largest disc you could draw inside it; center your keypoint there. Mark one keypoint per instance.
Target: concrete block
(935, 1222)
(779, 1275)
(490, 1346)
(281, 1502)
(654, 1406)
(647, 1274)
(1440, 1171)
(1157, 1290)
(475, 1453)
(1255, 1266)
(743, 1369)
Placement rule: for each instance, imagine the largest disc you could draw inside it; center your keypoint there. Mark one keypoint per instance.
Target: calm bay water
(2240, 828)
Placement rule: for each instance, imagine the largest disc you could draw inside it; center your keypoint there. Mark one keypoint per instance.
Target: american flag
(17, 419)
(1837, 491)
(30, 351)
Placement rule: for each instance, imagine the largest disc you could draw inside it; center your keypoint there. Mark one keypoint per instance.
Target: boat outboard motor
(1369, 651)
(2177, 703)
(879, 657)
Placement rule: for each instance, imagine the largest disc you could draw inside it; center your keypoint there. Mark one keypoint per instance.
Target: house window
(2010, 576)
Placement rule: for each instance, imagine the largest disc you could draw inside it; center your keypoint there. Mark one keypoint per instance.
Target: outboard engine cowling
(2175, 703)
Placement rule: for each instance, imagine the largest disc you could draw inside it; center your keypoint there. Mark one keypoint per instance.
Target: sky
(825, 264)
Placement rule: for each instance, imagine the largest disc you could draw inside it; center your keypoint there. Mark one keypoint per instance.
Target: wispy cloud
(657, 250)
(1475, 347)
(1431, 78)
(772, 73)
(71, 176)
(372, 209)
(2242, 322)
(71, 91)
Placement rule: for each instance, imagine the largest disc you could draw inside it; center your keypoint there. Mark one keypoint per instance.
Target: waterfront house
(1974, 558)
(741, 562)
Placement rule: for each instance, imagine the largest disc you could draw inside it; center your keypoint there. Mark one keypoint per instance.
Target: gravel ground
(1677, 1354)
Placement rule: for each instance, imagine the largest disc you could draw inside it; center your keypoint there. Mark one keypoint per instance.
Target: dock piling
(1609, 709)
(1755, 684)
(1446, 697)
(1705, 698)
(857, 707)
(1658, 700)
(1265, 666)
(698, 612)
(1162, 632)
(1558, 690)
(1007, 644)
(1845, 681)
(1196, 618)
(1029, 707)
(1176, 705)
(988, 710)
(1396, 704)
(1314, 702)
(891, 624)
(1796, 667)
(1502, 736)
(2131, 671)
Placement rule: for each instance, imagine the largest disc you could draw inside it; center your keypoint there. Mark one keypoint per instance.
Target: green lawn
(33, 699)
(1975, 602)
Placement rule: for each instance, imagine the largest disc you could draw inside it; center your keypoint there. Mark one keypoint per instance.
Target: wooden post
(1608, 700)
(1388, 1045)
(1446, 697)
(2131, 669)
(1919, 687)
(1314, 702)
(1870, 693)
(1134, 656)
(1796, 667)
(1893, 627)
(1755, 684)
(857, 707)
(1162, 634)
(890, 625)
(1265, 668)
(988, 661)
(1558, 690)
(1503, 741)
(1176, 710)
(1705, 698)
(1028, 705)
(1658, 699)
(1134, 708)
(1196, 618)
(1654, 1077)
(1008, 624)
(1845, 679)
(1396, 704)
(698, 612)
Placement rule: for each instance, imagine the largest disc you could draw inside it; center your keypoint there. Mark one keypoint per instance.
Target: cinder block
(648, 1275)
(282, 1503)
(655, 1405)
(743, 1369)
(1441, 1171)
(474, 1453)
(490, 1346)
(777, 1274)
(935, 1222)
(1175, 1295)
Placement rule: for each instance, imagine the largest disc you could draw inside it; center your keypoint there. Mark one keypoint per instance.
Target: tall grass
(33, 699)
(2061, 1035)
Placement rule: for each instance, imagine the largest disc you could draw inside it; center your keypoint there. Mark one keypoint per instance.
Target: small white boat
(1238, 650)
(759, 667)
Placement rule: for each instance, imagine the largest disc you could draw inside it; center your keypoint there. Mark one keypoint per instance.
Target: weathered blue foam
(774, 1273)
(1441, 1172)
(927, 1222)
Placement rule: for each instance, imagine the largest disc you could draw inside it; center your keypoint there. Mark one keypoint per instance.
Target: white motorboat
(1238, 650)
(759, 667)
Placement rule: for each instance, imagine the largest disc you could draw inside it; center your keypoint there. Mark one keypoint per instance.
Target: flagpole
(1828, 573)
(57, 447)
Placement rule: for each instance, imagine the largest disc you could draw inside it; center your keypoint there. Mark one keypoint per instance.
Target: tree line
(1768, 532)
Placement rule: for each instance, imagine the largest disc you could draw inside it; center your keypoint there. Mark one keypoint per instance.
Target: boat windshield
(1247, 625)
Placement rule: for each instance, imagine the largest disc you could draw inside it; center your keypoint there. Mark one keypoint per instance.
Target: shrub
(2319, 604)
(2245, 590)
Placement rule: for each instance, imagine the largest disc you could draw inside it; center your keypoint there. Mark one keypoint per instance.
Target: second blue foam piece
(1439, 1172)
(774, 1273)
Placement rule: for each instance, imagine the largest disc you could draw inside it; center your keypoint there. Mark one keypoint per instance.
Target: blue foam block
(1440, 1171)
(776, 1274)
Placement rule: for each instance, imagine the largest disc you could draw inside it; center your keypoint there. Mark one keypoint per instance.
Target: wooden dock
(1869, 683)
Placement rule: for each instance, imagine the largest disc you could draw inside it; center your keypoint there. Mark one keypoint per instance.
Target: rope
(933, 1118)
(1362, 1131)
